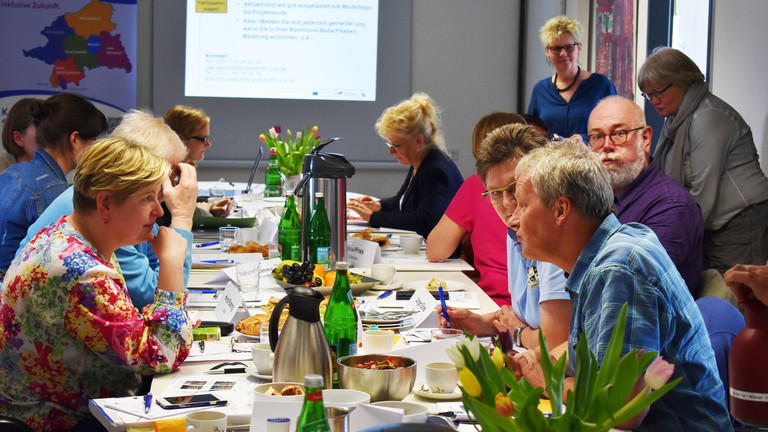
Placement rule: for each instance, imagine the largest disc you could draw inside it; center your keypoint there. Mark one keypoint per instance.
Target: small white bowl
(345, 397)
(412, 412)
(260, 390)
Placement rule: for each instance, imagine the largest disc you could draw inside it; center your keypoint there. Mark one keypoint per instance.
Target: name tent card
(424, 304)
(362, 253)
(228, 307)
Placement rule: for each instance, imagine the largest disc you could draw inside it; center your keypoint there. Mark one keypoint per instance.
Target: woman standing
(708, 148)
(565, 100)
(66, 124)
(411, 129)
(70, 331)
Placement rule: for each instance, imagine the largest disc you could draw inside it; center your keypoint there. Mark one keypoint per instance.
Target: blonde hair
(119, 166)
(668, 66)
(558, 26)
(411, 117)
(153, 133)
(488, 123)
(569, 169)
(185, 120)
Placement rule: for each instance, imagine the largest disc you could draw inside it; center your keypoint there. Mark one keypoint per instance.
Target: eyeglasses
(394, 146)
(618, 137)
(495, 196)
(558, 48)
(201, 139)
(652, 95)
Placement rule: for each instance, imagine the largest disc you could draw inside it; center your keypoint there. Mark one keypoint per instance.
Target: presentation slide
(279, 49)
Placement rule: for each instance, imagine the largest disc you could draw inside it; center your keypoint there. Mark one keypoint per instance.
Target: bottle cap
(319, 194)
(342, 265)
(313, 380)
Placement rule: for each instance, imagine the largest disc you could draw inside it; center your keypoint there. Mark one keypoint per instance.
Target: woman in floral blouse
(69, 329)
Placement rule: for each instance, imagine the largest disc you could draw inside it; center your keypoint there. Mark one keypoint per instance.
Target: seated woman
(70, 331)
(194, 129)
(66, 124)
(411, 129)
(18, 134)
(470, 214)
(537, 289)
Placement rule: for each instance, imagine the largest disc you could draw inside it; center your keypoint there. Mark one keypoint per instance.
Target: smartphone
(407, 294)
(189, 401)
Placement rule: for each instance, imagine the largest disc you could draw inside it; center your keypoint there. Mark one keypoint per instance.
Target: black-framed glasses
(394, 146)
(657, 94)
(617, 137)
(203, 140)
(496, 196)
(558, 48)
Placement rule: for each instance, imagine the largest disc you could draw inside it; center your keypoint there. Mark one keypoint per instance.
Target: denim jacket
(26, 189)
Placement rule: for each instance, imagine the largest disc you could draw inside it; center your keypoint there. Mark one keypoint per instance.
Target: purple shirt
(664, 206)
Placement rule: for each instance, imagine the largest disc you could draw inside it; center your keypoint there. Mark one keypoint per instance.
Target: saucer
(252, 371)
(394, 285)
(417, 389)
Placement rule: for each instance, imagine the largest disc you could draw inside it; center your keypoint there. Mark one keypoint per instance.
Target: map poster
(80, 46)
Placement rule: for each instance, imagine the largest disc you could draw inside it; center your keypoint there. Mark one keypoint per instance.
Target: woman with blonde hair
(565, 99)
(411, 130)
(71, 333)
(194, 129)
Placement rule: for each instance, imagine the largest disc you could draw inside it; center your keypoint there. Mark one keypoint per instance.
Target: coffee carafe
(302, 348)
(327, 173)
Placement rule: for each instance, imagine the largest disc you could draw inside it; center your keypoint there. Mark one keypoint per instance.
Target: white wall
(739, 61)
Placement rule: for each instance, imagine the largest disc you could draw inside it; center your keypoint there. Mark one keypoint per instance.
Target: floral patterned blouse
(70, 332)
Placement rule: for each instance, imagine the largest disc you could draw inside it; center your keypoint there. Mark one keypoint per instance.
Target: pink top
(470, 211)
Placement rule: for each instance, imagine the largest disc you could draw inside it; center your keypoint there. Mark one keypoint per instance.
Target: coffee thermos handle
(274, 322)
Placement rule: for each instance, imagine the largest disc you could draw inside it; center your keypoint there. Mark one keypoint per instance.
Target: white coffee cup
(206, 421)
(262, 357)
(411, 243)
(383, 272)
(378, 341)
(442, 377)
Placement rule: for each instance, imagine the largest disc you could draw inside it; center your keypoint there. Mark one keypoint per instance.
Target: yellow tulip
(470, 383)
(498, 358)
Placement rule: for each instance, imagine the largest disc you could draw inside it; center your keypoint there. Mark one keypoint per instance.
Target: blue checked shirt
(627, 264)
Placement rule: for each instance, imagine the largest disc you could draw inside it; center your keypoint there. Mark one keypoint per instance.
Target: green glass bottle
(289, 231)
(340, 321)
(272, 179)
(319, 236)
(313, 417)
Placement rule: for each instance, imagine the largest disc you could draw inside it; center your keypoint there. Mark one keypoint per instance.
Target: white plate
(450, 285)
(394, 285)
(456, 394)
(251, 371)
(274, 199)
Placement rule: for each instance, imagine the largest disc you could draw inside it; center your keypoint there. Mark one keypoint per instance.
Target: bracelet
(516, 335)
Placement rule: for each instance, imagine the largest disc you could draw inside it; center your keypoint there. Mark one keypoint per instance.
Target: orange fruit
(319, 270)
(330, 278)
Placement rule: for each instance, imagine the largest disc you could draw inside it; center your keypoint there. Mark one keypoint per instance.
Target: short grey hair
(569, 169)
(668, 66)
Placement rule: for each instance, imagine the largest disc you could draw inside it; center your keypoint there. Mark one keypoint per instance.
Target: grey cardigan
(708, 148)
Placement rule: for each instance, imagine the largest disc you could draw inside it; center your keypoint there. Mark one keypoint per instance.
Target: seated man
(138, 263)
(642, 193)
(537, 289)
(564, 217)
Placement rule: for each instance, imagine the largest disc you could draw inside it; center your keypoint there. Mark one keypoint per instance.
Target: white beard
(621, 174)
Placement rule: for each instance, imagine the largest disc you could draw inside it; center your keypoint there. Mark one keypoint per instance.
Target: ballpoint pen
(218, 261)
(442, 303)
(226, 371)
(202, 245)
(384, 294)
(147, 402)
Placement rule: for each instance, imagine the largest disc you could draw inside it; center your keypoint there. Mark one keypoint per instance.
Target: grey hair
(668, 66)
(153, 133)
(569, 169)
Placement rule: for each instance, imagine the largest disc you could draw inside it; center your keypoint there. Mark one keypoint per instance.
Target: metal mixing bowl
(381, 384)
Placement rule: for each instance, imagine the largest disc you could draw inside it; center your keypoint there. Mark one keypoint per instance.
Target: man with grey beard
(642, 193)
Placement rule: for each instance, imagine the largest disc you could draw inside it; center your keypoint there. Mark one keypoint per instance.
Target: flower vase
(291, 181)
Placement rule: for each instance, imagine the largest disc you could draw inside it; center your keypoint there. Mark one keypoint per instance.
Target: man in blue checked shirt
(564, 216)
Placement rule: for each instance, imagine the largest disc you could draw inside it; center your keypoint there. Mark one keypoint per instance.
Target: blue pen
(202, 245)
(384, 294)
(442, 303)
(147, 402)
(217, 261)
(203, 291)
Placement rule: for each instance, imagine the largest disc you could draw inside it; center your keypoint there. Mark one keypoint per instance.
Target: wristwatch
(516, 335)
